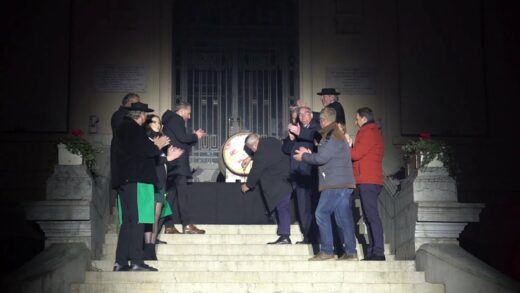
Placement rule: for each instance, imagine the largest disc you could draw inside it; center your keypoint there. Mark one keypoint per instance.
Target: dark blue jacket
(301, 171)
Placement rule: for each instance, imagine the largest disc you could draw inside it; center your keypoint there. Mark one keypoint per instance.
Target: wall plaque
(351, 80)
(120, 79)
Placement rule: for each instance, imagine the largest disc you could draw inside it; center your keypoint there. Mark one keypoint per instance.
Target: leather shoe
(282, 240)
(158, 241)
(120, 268)
(304, 241)
(142, 268)
(192, 229)
(171, 230)
(322, 256)
(375, 258)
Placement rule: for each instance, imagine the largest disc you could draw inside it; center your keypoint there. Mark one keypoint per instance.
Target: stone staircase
(235, 258)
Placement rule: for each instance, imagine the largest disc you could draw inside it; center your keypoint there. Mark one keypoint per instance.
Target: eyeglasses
(303, 114)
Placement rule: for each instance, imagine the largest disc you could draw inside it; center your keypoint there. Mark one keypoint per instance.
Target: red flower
(77, 133)
(425, 135)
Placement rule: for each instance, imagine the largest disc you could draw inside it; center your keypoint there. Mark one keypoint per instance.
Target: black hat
(138, 106)
(328, 91)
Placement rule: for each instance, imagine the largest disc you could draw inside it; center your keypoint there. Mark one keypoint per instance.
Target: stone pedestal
(76, 207)
(65, 157)
(427, 211)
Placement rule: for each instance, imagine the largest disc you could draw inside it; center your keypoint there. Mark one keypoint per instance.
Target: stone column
(427, 210)
(76, 205)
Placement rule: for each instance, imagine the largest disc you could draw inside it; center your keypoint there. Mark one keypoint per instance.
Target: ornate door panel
(238, 73)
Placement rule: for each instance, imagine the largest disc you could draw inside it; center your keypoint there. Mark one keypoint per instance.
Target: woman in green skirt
(153, 127)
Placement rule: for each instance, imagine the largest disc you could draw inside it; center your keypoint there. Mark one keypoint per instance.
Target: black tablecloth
(224, 203)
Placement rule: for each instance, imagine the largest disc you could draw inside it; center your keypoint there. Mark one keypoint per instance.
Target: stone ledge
(50, 210)
(449, 211)
(53, 270)
(460, 271)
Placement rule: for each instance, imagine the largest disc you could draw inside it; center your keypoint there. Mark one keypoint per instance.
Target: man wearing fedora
(329, 98)
(133, 176)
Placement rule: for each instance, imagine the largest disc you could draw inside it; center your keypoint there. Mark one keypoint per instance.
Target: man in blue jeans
(336, 185)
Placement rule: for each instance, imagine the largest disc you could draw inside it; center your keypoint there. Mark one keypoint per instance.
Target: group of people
(322, 158)
(149, 168)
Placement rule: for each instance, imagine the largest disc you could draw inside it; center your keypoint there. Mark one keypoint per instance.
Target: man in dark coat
(329, 99)
(271, 170)
(178, 174)
(118, 115)
(303, 176)
(134, 176)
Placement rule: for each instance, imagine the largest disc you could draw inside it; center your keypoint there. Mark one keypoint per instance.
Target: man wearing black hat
(134, 176)
(329, 98)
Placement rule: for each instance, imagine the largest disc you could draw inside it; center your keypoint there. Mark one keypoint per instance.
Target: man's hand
(295, 129)
(244, 188)
(349, 139)
(161, 142)
(173, 153)
(200, 133)
(299, 153)
(245, 162)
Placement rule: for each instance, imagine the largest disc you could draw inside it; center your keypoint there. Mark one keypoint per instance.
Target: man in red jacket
(367, 157)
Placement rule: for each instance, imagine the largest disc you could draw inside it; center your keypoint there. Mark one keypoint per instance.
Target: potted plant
(80, 150)
(428, 152)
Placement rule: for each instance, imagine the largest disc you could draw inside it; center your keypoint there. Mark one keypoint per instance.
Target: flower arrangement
(430, 149)
(76, 144)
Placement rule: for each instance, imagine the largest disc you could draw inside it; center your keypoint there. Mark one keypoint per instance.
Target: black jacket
(340, 113)
(271, 170)
(134, 155)
(117, 118)
(175, 129)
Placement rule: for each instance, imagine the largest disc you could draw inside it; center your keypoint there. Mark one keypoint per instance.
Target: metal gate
(233, 81)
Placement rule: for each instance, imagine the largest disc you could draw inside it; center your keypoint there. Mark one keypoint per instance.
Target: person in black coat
(329, 99)
(178, 174)
(271, 171)
(118, 115)
(134, 176)
(304, 177)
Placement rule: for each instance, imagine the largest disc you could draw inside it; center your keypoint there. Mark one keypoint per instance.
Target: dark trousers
(369, 194)
(283, 214)
(306, 204)
(130, 240)
(178, 198)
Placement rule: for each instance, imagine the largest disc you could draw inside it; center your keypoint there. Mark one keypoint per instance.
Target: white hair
(252, 139)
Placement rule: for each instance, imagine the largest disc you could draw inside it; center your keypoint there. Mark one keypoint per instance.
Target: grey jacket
(333, 160)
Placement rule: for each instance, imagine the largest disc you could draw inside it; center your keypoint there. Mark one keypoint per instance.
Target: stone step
(191, 257)
(111, 238)
(226, 249)
(231, 249)
(252, 277)
(241, 287)
(243, 229)
(265, 265)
